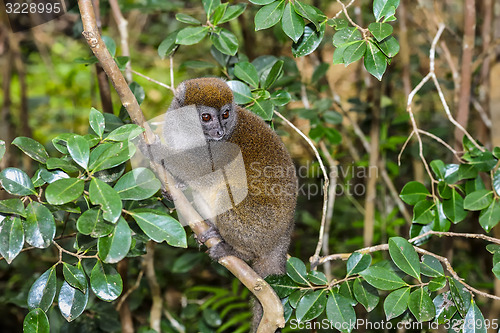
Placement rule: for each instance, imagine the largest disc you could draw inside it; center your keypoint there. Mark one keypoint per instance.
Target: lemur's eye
(206, 117)
(225, 115)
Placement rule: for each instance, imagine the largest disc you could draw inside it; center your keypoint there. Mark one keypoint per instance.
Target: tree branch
(273, 309)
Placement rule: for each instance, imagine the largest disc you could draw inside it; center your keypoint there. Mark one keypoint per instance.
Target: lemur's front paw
(221, 249)
(212, 232)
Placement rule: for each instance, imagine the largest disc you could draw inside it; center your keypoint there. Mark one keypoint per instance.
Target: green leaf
(282, 284)
(380, 30)
(11, 237)
(191, 35)
(358, 262)
(365, 294)
(311, 305)
(354, 52)
(2, 149)
(92, 223)
(389, 46)
(184, 18)
(423, 212)
(437, 283)
(261, 2)
(291, 23)
(160, 226)
(340, 311)
(16, 182)
(211, 317)
(108, 155)
(63, 164)
(396, 303)
(280, 98)
(467, 171)
(39, 226)
(445, 308)
(75, 276)
(484, 162)
(114, 248)
(110, 45)
(421, 305)
(219, 13)
(444, 190)
(347, 290)
(79, 150)
(43, 290)
(309, 41)
(32, 148)
(64, 190)
(441, 222)
(382, 278)
(36, 321)
(97, 122)
(242, 93)
(454, 207)
(246, 71)
(12, 206)
(125, 132)
(451, 173)
(474, 321)
(60, 142)
(338, 23)
(138, 184)
(404, 256)
(375, 61)
(478, 200)
(186, 262)
(384, 8)
(168, 45)
(490, 216)
(317, 278)
(346, 36)
(296, 270)
(225, 41)
(414, 192)
(209, 6)
(309, 12)
(431, 267)
(72, 302)
(269, 15)
(319, 72)
(233, 12)
(496, 181)
(338, 54)
(496, 270)
(274, 73)
(461, 296)
(105, 282)
(104, 195)
(262, 108)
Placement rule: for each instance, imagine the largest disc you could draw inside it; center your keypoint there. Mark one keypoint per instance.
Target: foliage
(84, 202)
(115, 214)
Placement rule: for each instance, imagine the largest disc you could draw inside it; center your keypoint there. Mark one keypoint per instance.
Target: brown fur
(258, 229)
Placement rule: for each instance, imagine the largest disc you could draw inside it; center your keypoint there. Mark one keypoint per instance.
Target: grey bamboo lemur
(256, 229)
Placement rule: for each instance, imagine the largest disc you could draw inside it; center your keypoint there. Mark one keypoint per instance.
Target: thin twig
(325, 186)
(153, 80)
(342, 10)
(130, 290)
(445, 261)
(441, 141)
(333, 164)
